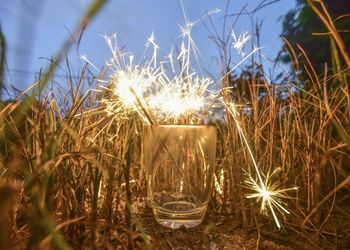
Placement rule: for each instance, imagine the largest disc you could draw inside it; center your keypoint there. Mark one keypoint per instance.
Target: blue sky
(35, 29)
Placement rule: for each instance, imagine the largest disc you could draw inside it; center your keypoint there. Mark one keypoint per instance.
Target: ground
(219, 232)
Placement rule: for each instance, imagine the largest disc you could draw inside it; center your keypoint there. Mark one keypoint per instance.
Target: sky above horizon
(35, 30)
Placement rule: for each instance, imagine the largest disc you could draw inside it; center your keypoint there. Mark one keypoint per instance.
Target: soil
(218, 232)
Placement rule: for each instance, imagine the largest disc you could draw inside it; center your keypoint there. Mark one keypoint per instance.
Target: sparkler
(270, 195)
(265, 190)
(158, 93)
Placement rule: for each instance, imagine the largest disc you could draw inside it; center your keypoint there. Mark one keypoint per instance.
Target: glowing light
(122, 89)
(159, 96)
(239, 43)
(270, 196)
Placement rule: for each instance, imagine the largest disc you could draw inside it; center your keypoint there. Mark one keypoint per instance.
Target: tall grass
(65, 184)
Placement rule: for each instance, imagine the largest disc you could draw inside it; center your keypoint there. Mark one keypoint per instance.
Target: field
(71, 174)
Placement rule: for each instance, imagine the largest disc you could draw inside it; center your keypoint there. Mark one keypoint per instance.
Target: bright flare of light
(123, 88)
(178, 96)
(270, 196)
(168, 91)
(239, 43)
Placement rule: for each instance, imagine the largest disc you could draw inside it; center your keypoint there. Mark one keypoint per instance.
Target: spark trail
(264, 189)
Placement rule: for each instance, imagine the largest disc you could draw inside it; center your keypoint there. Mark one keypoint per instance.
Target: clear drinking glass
(179, 164)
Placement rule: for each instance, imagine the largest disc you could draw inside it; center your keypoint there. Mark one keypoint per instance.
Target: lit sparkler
(159, 96)
(264, 189)
(270, 196)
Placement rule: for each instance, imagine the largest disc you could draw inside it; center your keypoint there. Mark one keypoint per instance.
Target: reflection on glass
(179, 163)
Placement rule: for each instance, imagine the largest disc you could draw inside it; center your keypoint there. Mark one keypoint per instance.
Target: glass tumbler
(179, 164)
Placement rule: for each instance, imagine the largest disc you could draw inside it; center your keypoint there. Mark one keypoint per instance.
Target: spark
(152, 41)
(239, 43)
(84, 58)
(171, 60)
(270, 196)
(214, 11)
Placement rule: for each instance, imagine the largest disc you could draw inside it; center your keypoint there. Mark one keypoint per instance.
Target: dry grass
(64, 184)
